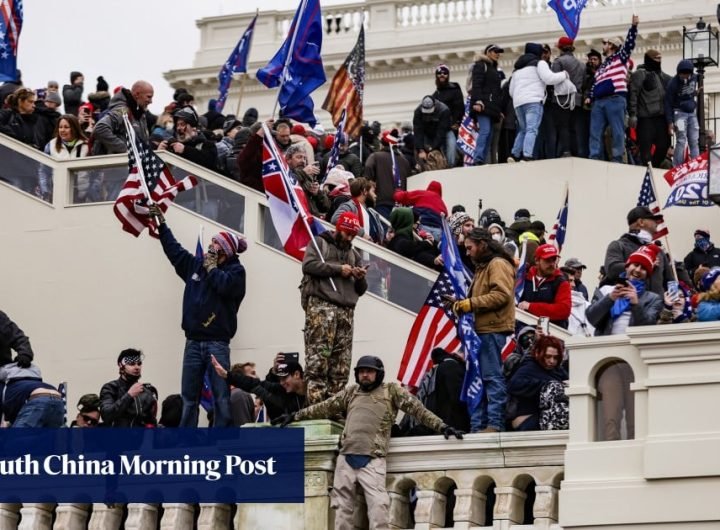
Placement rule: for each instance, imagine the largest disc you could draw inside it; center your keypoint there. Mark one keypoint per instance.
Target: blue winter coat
(211, 300)
(708, 310)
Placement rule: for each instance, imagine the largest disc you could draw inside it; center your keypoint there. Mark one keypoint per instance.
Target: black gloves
(156, 212)
(284, 420)
(450, 431)
(23, 360)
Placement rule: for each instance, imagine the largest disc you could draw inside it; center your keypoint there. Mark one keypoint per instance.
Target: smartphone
(291, 356)
(673, 288)
(622, 281)
(544, 325)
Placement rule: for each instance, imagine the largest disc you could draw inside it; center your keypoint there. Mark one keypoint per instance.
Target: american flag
(434, 327)
(11, 21)
(236, 63)
(335, 150)
(467, 134)
(648, 198)
(520, 274)
(131, 206)
(347, 88)
(559, 229)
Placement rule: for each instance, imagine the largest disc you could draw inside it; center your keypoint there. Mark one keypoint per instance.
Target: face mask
(497, 237)
(702, 244)
(644, 236)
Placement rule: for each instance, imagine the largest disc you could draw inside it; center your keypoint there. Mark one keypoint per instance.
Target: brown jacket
(492, 296)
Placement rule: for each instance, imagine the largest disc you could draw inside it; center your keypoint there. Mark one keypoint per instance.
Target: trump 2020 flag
(11, 21)
(297, 66)
(236, 64)
(568, 13)
(288, 205)
(472, 388)
(467, 135)
(689, 183)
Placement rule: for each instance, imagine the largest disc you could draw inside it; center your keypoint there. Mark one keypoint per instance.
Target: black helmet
(373, 363)
(188, 115)
(489, 217)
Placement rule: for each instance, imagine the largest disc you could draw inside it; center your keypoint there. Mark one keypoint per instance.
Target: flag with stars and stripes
(236, 64)
(287, 201)
(648, 198)
(335, 150)
(436, 326)
(559, 229)
(467, 134)
(11, 21)
(520, 274)
(131, 206)
(347, 88)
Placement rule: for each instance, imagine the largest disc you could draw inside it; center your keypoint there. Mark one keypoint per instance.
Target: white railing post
(213, 516)
(9, 516)
(71, 516)
(176, 516)
(36, 516)
(105, 517)
(469, 508)
(141, 517)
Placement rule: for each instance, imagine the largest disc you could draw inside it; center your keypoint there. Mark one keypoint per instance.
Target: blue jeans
(528, 117)
(491, 412)
(196, 359)
(687, 130)
(451, 148)
(608, 112)
(483, 140)
(42, 411)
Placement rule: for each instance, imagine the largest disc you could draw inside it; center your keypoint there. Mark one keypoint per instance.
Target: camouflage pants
(328, 348)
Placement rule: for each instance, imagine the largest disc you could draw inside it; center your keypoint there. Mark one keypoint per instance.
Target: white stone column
(469, 508)
(105, 517)
(71, 516)
(430, 510)
(506, 8)
(141, 517)
(9, 516)
(545, 509)
(509, 507)
(213, 516)
(36, 516)
(176, 515)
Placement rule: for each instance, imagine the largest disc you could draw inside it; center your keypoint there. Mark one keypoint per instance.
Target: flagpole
(666, 240)
(138, 163)
(243, 76)
(288, 58)
(566, 190)
(291, 189)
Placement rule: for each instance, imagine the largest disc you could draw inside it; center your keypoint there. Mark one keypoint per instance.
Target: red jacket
(537, 294)
(430, 199)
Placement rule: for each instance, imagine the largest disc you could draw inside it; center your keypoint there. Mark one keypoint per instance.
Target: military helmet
(370, 361)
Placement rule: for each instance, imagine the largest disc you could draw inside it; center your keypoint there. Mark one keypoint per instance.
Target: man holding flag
(214, 289)
(491, 302)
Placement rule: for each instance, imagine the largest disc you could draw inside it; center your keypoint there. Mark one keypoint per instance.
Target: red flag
(131, 206)
(346, 89)
(434, 327)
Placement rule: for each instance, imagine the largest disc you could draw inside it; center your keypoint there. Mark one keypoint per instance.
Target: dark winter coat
(200, 151)
(423, 251)
(681, 94)
(211, 300)
(109, 133)
(249, 161)
(378, 168)
(647, 92)
(12, 338)
(347, 160)
(696, 257)
(46, 122)
(451, 95)
(274, 396)
(72, 98)
(22, 127)
(431, 129)
(485, 81)
(619, 251)
(644, 313)
(527, 382)
(120, 409)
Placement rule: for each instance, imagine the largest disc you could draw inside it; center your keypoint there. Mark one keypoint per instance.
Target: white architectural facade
(405, 40)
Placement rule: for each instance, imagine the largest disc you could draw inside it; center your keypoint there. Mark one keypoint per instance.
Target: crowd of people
(546, 108)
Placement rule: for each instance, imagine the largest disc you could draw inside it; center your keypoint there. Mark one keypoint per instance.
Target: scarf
(623, 304)
(703, 244)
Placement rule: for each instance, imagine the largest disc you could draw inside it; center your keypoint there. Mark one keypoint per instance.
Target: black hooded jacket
(451, 94)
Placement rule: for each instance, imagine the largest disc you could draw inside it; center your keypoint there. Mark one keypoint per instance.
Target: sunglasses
(89, 420)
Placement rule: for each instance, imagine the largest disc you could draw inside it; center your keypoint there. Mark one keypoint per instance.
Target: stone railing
(502, 481)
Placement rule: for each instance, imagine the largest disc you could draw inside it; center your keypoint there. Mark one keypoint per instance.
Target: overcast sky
(122, 40)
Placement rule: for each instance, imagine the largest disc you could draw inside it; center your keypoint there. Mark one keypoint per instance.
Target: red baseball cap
(546, 251)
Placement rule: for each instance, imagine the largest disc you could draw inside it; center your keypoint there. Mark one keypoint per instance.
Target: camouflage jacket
(395, 397)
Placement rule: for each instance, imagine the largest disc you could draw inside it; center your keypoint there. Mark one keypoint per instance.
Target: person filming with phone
(333, 281)
(307, 175)
(627, 302)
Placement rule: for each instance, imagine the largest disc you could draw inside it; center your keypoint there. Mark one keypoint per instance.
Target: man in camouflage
(370, 407)
(334, 280)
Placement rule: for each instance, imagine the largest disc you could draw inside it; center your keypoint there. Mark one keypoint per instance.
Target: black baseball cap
(642, 212)
(284, 370)
(494, 48)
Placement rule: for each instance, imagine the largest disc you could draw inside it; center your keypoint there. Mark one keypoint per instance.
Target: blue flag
(568, 13)
(520, 274)
(467, 135)
(472, 389)
(559, 229)
(297, 66)
(11, 21)
(236, 64)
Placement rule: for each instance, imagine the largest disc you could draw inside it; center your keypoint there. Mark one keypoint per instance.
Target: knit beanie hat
(102, 85)
(709, 278)
(456, 221)
(645, 256)
(349, 223)
(230, 243)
